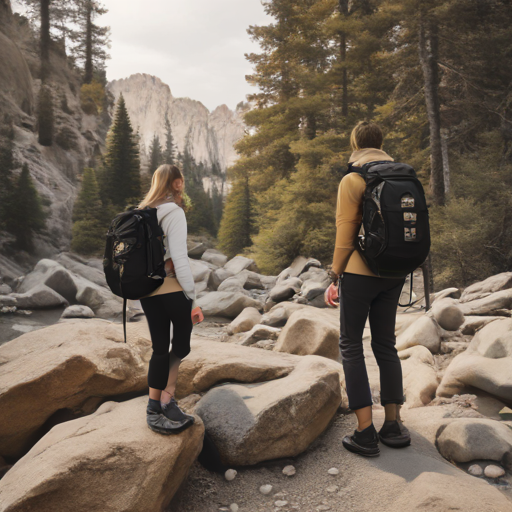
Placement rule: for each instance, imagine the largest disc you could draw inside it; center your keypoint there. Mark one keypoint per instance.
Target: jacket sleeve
(349, 214)
(174, 225)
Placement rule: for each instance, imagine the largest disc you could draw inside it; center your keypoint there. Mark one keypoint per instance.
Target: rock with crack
(109, 461)
(82, 267)
(278, 315)
(419, 375)
(467, 439)
(217, 277)
(424, 331)
(250, 423)
(310, 332)
(486, 364)
(487, 287)
(61, 367)
(226, 304)
(286, 290)
(211, 362)
(39, 297)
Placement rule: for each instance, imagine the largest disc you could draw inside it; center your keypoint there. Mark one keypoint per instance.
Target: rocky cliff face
(78, 137)
(211, 135)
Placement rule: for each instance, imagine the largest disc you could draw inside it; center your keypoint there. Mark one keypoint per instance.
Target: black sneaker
(364, 443)
(395, 434)
(157, 422)
(175, 414)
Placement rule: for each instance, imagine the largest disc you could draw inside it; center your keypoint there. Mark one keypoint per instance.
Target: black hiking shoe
(364, 443)
(157, 422)
(394, 434)
(174, 413)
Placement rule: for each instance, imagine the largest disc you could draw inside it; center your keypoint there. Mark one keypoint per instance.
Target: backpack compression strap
(124, 319)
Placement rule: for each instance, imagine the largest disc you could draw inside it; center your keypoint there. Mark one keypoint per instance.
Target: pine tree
(169, 154)
(45, 116)
(89, 220)
(155, 154)
(27, 216)
(237, 224)
(120, 179)
(90, 39)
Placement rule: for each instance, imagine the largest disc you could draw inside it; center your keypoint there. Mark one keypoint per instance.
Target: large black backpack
(396, 233)
(134, 255)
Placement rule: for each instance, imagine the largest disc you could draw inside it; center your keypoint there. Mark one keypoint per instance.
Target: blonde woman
(363, 295)
(172, 303)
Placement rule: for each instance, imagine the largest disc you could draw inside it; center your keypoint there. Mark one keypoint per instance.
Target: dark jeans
(377, 297)
(160, 311)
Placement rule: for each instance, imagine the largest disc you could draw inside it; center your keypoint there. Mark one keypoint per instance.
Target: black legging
(377, 297)
(160, 311)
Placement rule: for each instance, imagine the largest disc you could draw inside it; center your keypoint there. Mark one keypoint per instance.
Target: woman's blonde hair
(161, 185)
(366, 135)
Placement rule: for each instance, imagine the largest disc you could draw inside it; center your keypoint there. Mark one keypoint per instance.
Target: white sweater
(174, 225)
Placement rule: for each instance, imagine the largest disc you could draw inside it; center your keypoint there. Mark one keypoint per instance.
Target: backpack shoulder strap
(358, 170)
(124, 319)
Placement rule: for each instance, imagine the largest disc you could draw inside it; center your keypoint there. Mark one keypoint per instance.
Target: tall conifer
(169, 154)
(155, 154)
(121, 174)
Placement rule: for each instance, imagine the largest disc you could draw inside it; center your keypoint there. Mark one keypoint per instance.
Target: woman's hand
(197, 315)
(331, 296)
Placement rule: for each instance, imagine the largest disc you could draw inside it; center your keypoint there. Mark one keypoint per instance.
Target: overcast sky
(195, 46)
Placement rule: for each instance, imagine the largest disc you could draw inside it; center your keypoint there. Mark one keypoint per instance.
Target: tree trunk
(88, 45)
(45, 39)
(343, 8)
(428, 51)
(446, 162)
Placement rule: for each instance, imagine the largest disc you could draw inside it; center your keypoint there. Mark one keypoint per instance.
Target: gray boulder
(310, 332)
(278, 315)
(5, 289)
(467, 439)
(215, 257)
(196, 250)
(101, 300)
(245, 321)
(217, 277)
(423, 331)
(39, 297)
(87, 269)
(78, 311)
(274, 419)
(226, 304)
(259, 332)
(448, 314)
(200, 270)
(286, 290)
(494, 304)
(473, 323)
(239, 263)
(54, 276)
(312, 288)
(485, 288)
(486, 363)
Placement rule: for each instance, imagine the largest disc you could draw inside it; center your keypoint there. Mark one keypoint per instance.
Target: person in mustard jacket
(361, 295)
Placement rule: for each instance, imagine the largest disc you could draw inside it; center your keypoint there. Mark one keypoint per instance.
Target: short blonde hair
(366, 135)
(161, 185)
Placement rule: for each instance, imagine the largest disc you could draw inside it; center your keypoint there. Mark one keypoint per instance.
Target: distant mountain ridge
(210, 135)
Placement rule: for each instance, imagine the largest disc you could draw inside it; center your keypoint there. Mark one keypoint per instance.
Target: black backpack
(396, 232)
(134, 255)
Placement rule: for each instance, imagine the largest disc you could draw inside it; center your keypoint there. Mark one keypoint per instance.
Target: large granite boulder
(53, 275)
(217, 277)
(485, 288)
(258, 333)
(61, 367)
(467, 439)
(100, 299)
(211, 362)
(498, 304)
(200, 270)
(245, 321)
(39, 297)
(453, 293)
(109, 461)
(310, 332)
(250, 423)
(448, 314)
(424, 331)
(486, 364)
(419, 375)
(78, 311)
(226, 304)
(88, 269)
